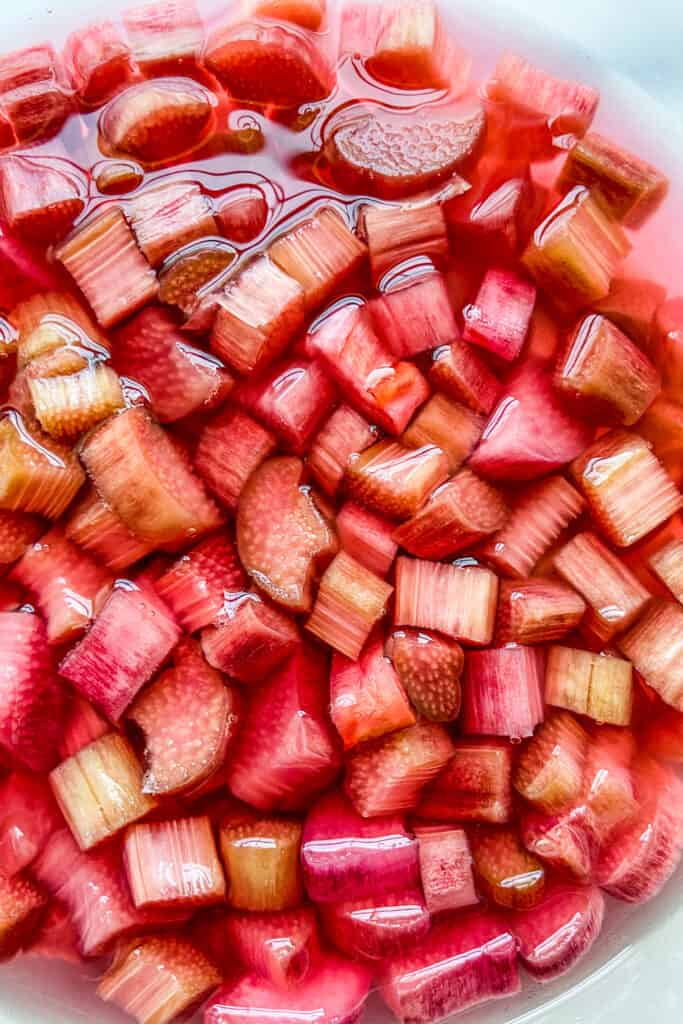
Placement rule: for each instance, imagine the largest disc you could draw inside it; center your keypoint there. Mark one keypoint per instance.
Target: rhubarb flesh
(560, 930)
(503, 692)
(173, 863)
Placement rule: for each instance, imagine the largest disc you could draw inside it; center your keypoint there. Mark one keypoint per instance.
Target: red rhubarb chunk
(82, 725)
(340, 437)
(377, 927)
(167, 217)
(40, 200)
(280, 946)
(474, 786)
(458, 600)
(507, 873)
(250, 640)
(231, 446)
(351, 599)
(416, 317)
(499, 317)
(503, 693)
(399, 234)
(653, 645)
(560, 930)
(393, 480)
(169, 33)
(458, 371)
(34, 93)
(536, 611)
(17, 533)
(567, 107)
(173, 863)
(199, 585)
(242, 214)
(367, 537)
(97, 61)
(95, 527)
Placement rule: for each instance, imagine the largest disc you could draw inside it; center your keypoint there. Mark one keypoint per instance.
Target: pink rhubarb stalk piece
(567, 107)
(451, 426)
(498, 319)
(560, 840)
(96, 528)
(503, 692)
(250, 639)
(446, 868)
(474, 786)
(35, 96)
(429, 667)
(609, 797)
(550, 766)
(28, 818)
(554, 935)
(261, 858)
(242, 213)
(397, 235)
(367, 537)
(340, 437)
(40, 201)
(166, 217)
(459, 372)
(653, 645)
(97, 61)
(416, 317)
(231, 446)
(377, 927)
(173, 863)
(598, 686)
(202, 582)
(168, 33)
(536, 611)
(280, 946)
(394, 480)
(350, 600)
(457, 600)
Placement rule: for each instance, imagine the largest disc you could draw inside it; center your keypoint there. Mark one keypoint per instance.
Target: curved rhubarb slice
(446, 868)
(40, 200)
(429, 667)
(95, 527)
(82, 725)
(28, 817)
(393, 480)
(280, 946)
(282, 537)
(200, 584)
(17, 532)
(475, 785)
(450, 426)
(173, 864)
(242, 213)
(503, 693)
(507, 873)
(459, 372)
(554, 935)
(550, 767)
(147, 481)
(231, 446)
(347, 857)
(536, 611)
(378, 927)
(37, 474)
(97, 61)
(261, 860)
(22, 905)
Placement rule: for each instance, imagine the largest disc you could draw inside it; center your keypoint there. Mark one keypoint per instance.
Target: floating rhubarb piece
(457, 515)
(53, 320)
(597, 685)
(22, 904)
(38, 474)
(95, 527)
(287, 751)
(28, 817)
(536, 611)
(158, 120)
(106, 264)
(261, 62)
(377, 927)
(350, 600)
(17, 532)
(662, 426)
(627, 489)
(280, 946)
(97, 61)
(40, 200)
(242, 213)
(576, 251)
(366, 696)
(474, 786)
(667, 344)
(411, 48)
(56, 937)
(503, 692)
(553, 936)
(231, 447)
(262, 863)
(450, 426)
(466, 960)
(82, 725)
(174, 761)
(653, 645)
(615, 596)
(628, 188)
(567, 107)
(168, 33)
(166, 217)
(68, 586)
(387, 775)
(415, 317)
(398, 234)
(173, 863)
(198, 586)
(429, 668)
(189, 277)
(459, 372)
(347, 857)
(667, 565)
(319, 253)
(458, 600)
(609, 797)
(446, 869)
(71, 393)
(393, 480)
(501, 208)
(529, 433)
(250, 640)
(99, 790)
(34, 93)
(129, 640)
(291, 398)
(367, 537)
(498, 319)
(507, 873)
(157, 978)
(340, 437)
(147, 480)
(550, 767)
(560, 841)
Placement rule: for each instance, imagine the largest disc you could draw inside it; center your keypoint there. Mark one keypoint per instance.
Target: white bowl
(633, 973)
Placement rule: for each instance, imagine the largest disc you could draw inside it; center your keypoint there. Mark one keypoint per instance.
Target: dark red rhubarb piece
(202, 582)
(377, 927)
(231, 446)
(560, 930)
(40, 200)
(536, 611)
(503, 692)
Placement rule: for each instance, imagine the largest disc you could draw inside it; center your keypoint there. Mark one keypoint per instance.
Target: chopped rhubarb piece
(167, 33)
(398, 234)
(529, 433)
(22, 905)
(554, 935)
(287, 751)
(189, 277)
(40, 200)
(387, 775)
(498, 319)
(458, 600)
(98, 63)
(347, 857)
(393, 480)
(106, 264)
(261, 62)
(667, 344)
(82, 725)
(499, 211)
(262, 863)
(157, 978)
(567, 107)
(259, 313)
(415, 317)
(662, 426)
(654, 645)
(147, 480)
(597, 685)
(631, 305)
(99, 790)
(458, 371)
(70, 394)
(38, 474)
(250, 640)
(367, 537)
(28, 817)
(466, 960)
(291, 399)
(550, 767)
(503, 692)
(199, 585)
(31, 703)
(366, 696)
(340, 437)
(175, 761)
(506, 872)
(68, 586)
(335, 990)
(280, 946)
(667, 565)
(350, 600)
(446, 869)
(95, 527)
(627, 489)
(456, 516)
(173, 863)
(609, 798)
(450, 426)
(282, 537)
(55, 320)
(319, 253)
(242, 213)
(377, 927)
(158, 120)
(34, 94)
(17, 532)
(536, 611)
(576, 251)
(231, 447)
(628, 188)
(118, 177)
(166, 217)
(129, 640)
(429, 668)
(391, 153)
(559, 840)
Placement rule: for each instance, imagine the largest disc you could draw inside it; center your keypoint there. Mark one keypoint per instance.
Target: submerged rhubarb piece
(628, 188)
(398, 234)
(166, 33)
(662, 735)
(166, 217)
(261, 860)
(291, 398)
(458, 600)
(242, 213)
(279, 946)
(28, 818)
(567, 108)
(654, 645)
(667, 565)
(173, 863)
(82, 725)
(560, 930)
(201, 582)
(667, 344)
(449, 425)
(387, 775)
(70, 393)
(188, 277)
(38, 474)
(662, 426)
(498, 319)
(97, 61)
(632, 304)
(17, 532)
(415, 317)
(536, 611)
(250, 639)
(549, 771)
(461, 374)
(129, 640)
(341, 436)
(503, 692)
(474, 786)
(446, 869)
(54, 320)
(56, 937)
(231, 446)
(22, 905)
(377, 927)
(507, 873)
(393, 480)
(305, 13)
(559, 840)
(599, 686)
(429, 667)
(350, 600)
(35, 97)
(40, 200)
(609, 798)
(96, 528)
(367, 537)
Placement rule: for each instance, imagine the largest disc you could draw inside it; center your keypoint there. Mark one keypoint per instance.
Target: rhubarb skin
(475, 785)
(503, 692)
(556, 934)
(654, 647)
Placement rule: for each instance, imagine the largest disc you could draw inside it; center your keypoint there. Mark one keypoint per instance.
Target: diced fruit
(653, 645)
(446, 869)
(502, 206)
(597, 685)
(157, 978)
(250, 640)
(82, 725)
(347, 857)
(242, 213)
(415, 317)
(95, 527)
(474, 786)
(628, 188)
(231, 447)
(560, 841)
(166, 217)
(34, 93)
(662, 426)
(17, 532)
(319, 253)
(550, 767)
(97, 61)
(553, 936)
(567, 107)
(164, 33)
(503, 692)
(40, 200)
(393, 480)
(291, 398)
(70, 394)
(202, 582)
(498, 319)
(387, 775)
(450, 426)
(411, 49)
(262, 864)
(22, 905)
(280, 946)
(173, 863)
(529, 433)
(536, 611)
(350, 600)
(458, 600)
(129, 640)
(507, 873)
(54, 320)
(99, 790)
(366, 537)
(28, 817)
(429, 668)
(106, 264)
(188, 278)
(287, 751)
(627, 489)
(158, 120)
(667, 565)
(631, 305)
(38, 474)
(377, 927)
(459, 372)
(608, 798)
(398, 234)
